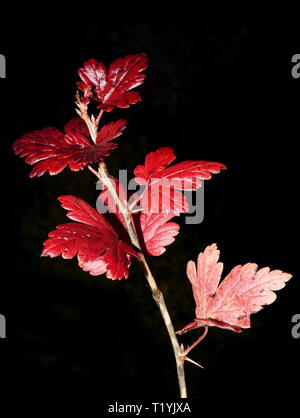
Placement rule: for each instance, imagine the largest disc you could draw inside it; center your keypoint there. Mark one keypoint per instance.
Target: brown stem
(106, 180)
(83, 113)
(159, 299)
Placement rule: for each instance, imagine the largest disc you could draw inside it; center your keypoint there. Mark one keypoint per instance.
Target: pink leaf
(157, 232)
(163, 185)
(243, 291)
(97, 245)
(53, 150)
(95, 267)
(112, 88)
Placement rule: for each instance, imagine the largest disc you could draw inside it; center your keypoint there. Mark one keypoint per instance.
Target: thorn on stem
(193, 362)
(182, 357)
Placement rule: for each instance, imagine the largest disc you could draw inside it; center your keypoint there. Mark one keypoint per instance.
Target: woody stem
(156, 292)
(160, 301)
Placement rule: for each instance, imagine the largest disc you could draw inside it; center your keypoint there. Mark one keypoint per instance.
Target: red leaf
(110, 131)
(154, 163)
(76, 126)
(53, 151)
(112, 89)
(162, 183)
(97, 245)
(230, 304)
(157, 232)
(153, 230)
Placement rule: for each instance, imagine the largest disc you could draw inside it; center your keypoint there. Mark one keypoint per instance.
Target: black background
(214, 91)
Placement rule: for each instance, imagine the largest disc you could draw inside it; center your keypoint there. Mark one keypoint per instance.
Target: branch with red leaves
(141, 226)
(229, 305)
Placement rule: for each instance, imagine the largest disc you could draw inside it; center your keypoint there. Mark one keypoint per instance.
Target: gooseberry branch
(103, 247)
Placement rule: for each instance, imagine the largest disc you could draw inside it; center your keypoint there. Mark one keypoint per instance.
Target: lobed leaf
(97, 245)
(112, 88)
(52, 150)
(245, 290)
(163, 185)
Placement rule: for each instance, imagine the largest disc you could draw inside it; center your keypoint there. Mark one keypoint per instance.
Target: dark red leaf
(53, 150)
(93, 73)
(76, 126)
(112, 88)
(163, 185)
(97, 245)
(110, 131)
